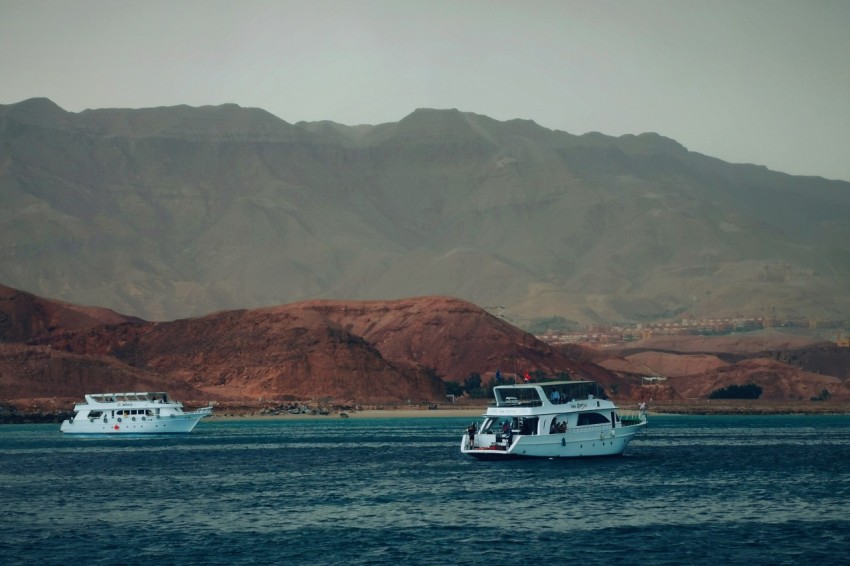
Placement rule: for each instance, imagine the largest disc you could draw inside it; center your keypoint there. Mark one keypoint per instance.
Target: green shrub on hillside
(749, 391)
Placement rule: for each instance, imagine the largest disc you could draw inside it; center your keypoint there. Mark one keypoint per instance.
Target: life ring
(144, 418)
(90, 420)
(119, 419)
(134, 418)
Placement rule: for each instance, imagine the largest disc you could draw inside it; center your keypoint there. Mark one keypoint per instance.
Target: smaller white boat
(556, 419)
(132, 413)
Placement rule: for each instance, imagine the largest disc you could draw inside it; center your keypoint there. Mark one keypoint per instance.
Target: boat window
(564, 392)
(496, 426)
(517, 396)
(592, 418)
(559, 424)
(528, 425)
(95, 414)
(559, 393)
(519, 425)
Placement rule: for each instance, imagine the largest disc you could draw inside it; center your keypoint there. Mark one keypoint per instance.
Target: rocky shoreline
(727, 407)
(10, 414)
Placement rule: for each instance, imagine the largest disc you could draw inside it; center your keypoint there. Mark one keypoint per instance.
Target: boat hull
(585, 444)
(176, 424)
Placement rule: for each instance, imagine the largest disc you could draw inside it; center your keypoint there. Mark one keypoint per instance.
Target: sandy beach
(473, 413)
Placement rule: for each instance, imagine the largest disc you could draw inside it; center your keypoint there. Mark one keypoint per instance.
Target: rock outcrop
(350, 352)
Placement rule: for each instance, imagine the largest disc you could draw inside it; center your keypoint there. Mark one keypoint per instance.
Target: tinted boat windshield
(518, 425)
(566, 392)
(517, 396)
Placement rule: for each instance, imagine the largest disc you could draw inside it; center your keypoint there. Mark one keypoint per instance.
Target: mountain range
(174, 212)
(383, 352)
(338, 354)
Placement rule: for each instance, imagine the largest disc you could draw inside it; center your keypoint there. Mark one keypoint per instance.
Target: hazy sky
(752, 81)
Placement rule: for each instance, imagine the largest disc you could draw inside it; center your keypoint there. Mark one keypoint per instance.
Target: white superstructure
(131, 413)
(556, 419)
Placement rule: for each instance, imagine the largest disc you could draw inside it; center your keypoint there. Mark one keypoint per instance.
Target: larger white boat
(556, 419)
(131, 413)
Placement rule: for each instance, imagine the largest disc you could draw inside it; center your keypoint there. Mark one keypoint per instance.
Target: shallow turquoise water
(765, 490)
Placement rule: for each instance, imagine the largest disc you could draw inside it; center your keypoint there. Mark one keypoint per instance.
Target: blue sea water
(733, 490)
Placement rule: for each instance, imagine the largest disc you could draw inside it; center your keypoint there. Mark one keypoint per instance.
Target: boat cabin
(554, 392)
(550, 419)
(536, 409)
(549, 424)
(129, 406)
(158, 397)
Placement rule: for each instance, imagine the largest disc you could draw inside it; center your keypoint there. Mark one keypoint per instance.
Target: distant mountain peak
(430, 117)
(650, 142)
(431, 126)
(422, 112)
(224, 121)
(38, 110)
(38, 103)
(645, 143)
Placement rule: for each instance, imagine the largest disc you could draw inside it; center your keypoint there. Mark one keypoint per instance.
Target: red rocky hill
(343, 352)
(787, 367)
(368, 352)
(23, 316)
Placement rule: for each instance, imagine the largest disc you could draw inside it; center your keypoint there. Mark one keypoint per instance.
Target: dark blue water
(734, 490)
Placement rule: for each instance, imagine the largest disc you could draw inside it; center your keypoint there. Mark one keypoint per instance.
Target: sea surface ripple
(733, 489)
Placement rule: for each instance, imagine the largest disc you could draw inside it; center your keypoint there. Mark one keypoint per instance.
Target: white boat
(556, 419)
(131, 413)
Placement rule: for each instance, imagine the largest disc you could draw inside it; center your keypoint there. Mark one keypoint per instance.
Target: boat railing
(632, 417)
(601, 428)
(201, 411)
(513, 404)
